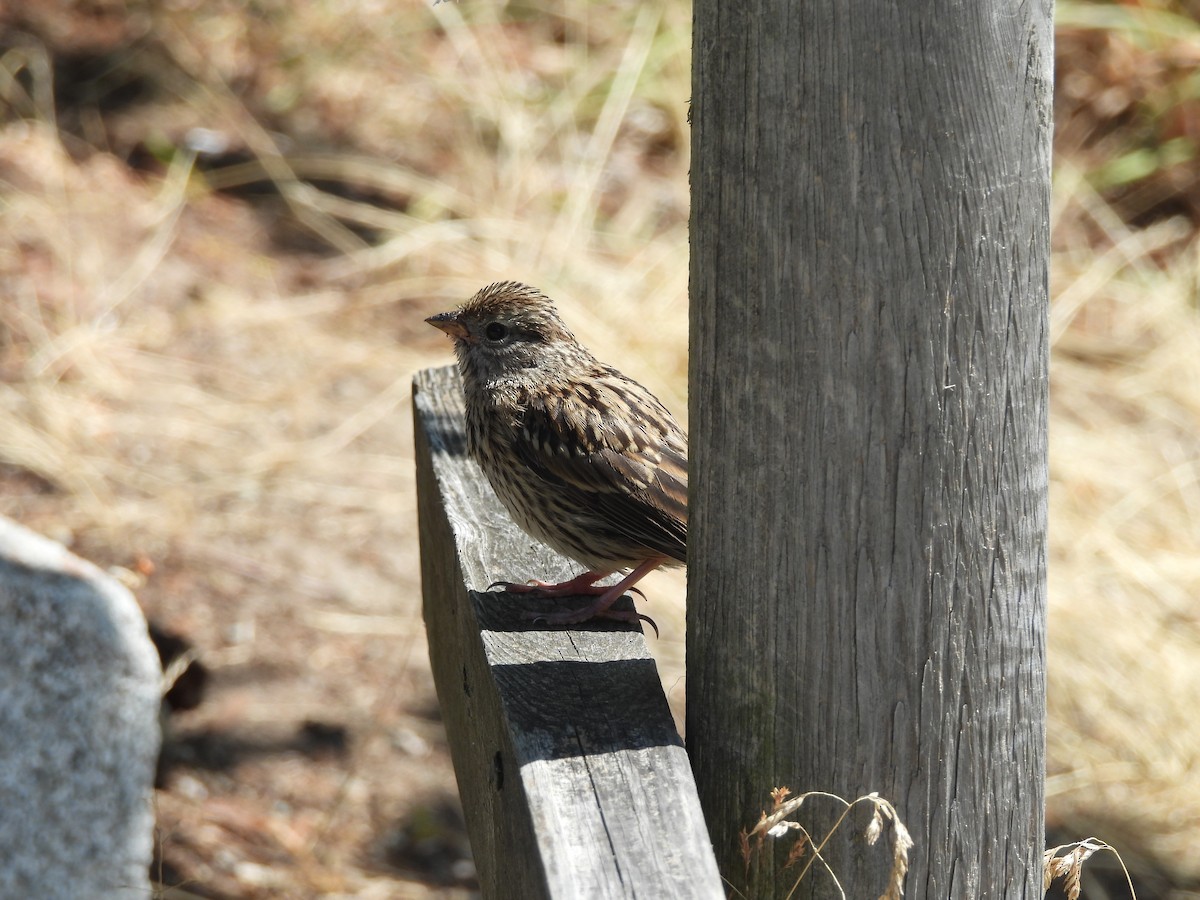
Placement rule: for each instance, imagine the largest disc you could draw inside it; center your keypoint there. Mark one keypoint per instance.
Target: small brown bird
(585, 459)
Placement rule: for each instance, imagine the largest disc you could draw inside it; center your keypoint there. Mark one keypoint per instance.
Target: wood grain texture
(573, 779)
(870, 195)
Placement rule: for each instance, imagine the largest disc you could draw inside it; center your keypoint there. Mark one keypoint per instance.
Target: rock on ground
(79, 698)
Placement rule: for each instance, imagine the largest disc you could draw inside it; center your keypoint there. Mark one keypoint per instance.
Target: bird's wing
(609, 444)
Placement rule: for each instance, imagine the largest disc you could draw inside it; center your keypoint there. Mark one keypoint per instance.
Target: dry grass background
(205, 361)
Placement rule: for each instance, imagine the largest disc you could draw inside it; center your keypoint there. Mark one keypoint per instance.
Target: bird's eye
(495, 331)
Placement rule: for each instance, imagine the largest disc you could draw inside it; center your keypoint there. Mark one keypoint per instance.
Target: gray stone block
(79, 698)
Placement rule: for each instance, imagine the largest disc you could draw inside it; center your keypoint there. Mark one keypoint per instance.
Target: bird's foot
(587, 614)
(580, 586)
(585, 585)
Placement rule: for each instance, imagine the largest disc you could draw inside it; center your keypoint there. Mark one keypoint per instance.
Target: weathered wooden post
(870, 191)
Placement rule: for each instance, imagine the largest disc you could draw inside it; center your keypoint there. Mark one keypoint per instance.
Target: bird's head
(510, 332)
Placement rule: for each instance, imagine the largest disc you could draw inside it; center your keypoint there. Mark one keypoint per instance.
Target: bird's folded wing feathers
(616, 450)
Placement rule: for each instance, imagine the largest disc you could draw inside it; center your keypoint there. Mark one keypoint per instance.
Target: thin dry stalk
(777, 823)
(1069, 866)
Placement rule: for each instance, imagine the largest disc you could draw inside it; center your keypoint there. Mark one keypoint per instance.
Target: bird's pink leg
(599, 609)
(580, 585)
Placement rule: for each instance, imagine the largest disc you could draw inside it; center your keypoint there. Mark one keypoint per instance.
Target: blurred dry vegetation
(223, 224)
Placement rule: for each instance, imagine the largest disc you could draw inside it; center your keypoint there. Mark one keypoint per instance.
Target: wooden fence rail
(573, 779)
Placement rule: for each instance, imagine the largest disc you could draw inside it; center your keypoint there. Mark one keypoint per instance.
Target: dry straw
(780, 822)
(1069, 866)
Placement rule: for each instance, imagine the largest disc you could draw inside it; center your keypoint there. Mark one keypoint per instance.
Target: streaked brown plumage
(585, 459)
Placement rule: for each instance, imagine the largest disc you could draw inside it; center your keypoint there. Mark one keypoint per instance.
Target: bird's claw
(570, 618)
(649, 621)
(533, 586)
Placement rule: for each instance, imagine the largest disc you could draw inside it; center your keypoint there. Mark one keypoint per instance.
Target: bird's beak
(448, 322)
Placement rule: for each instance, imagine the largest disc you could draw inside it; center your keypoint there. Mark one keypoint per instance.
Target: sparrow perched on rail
(585, 459)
